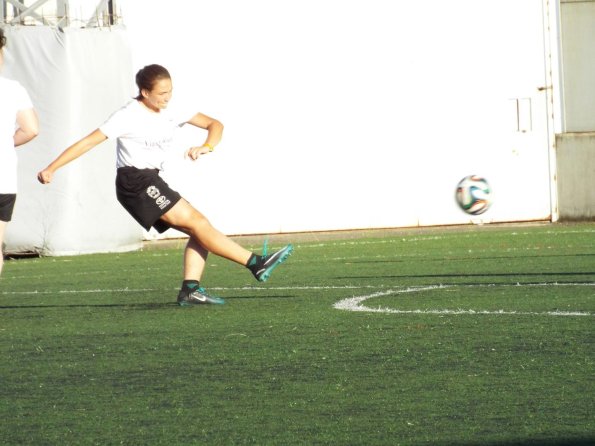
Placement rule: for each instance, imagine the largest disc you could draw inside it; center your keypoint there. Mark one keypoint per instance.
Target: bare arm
(71, 153)
(215, 132)
(27, 127)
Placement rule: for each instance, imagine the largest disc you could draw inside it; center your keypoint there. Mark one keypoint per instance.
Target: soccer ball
(473, 195)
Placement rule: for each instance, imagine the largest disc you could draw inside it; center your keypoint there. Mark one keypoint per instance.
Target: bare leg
(195, 257)
(184, 217)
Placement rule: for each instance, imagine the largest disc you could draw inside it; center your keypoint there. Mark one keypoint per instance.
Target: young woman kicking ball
(144, 130)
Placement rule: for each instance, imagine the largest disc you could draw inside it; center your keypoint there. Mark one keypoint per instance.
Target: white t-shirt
(145, 139)
(13, 98)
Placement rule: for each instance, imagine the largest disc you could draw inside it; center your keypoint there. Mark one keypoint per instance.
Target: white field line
(37, 292)
(356, 303)
(353, 303)
(141, 290)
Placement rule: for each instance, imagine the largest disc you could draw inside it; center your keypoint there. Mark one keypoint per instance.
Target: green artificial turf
(464, 336)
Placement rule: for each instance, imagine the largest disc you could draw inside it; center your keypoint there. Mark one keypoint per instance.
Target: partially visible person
(18, 125)
(144, 129)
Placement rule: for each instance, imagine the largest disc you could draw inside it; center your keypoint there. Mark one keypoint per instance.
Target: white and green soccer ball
(473, 195)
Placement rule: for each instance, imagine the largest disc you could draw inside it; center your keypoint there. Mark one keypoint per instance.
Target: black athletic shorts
(7, 202)
(145, 196)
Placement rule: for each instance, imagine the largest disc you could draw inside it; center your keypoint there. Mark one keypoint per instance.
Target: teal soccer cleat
(198, 296)
(267, 263)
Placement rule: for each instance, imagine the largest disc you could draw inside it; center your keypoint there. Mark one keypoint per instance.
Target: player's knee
(199, 221)
(192, 220)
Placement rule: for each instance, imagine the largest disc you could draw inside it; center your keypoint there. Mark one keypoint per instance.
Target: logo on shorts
(153, 192)
(160, 200)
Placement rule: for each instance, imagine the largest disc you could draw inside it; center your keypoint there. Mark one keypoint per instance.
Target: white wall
(341, 114)
(352, 114)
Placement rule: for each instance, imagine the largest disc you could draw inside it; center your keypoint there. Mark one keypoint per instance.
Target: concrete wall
(576, 175)
(577, 33)
(576, 143)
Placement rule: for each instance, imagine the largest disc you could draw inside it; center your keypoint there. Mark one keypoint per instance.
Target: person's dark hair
(2, 39)
(148, 76)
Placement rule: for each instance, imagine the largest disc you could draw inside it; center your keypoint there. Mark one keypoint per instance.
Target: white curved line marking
(356, 303)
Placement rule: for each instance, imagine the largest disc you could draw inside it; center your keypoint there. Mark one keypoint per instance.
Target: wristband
(211, 148)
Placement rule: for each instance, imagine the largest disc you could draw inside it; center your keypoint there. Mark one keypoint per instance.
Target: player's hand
(45, 176)
(194, 152)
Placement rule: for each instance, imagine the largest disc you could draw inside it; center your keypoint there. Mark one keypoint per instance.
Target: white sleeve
(22, 99)
(114, 126)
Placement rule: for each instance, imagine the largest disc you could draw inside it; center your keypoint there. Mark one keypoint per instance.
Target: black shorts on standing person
(7, 202)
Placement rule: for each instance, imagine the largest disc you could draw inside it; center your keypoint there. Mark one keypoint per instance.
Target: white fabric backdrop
(76, 78)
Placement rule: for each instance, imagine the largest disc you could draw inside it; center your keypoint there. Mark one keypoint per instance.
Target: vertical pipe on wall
(553, 91)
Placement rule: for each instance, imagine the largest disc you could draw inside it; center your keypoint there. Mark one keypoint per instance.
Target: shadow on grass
(467, 258)
(135, 306)
(144, 306)
(578, 441)
(462, 276)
